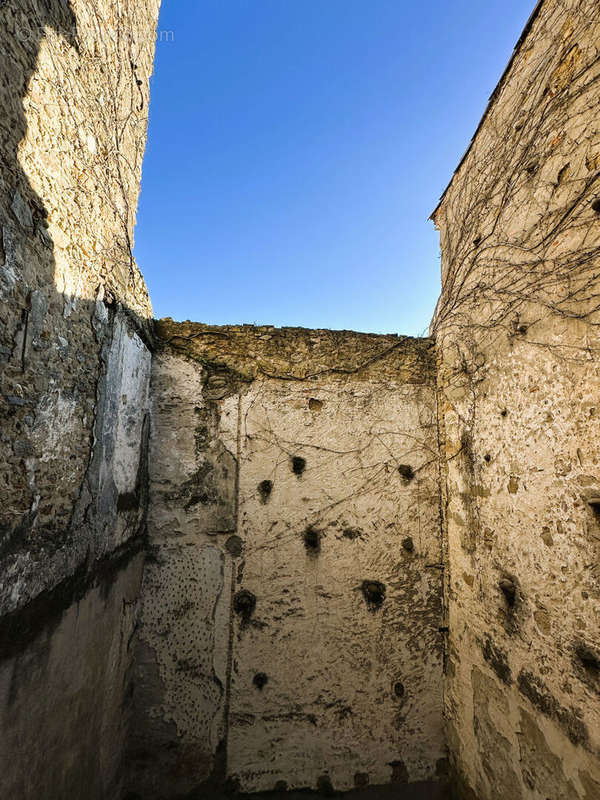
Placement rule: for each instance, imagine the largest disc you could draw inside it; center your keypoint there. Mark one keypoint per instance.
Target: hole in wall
(234, 546)
(588, 658)
(406, 472)
(399, 772)
(531, 168)
(442, 767)
(244, 603)
(594, 503)
(315, 405)
(399, 690)
(325, 786)
(264, 491)
(260, 680)
(563, 173)
(408, 544)
(361, 779)
(596, 205)
(374, 594)
(511, 603)
(509, 590)
(298, 465)
(312, 540)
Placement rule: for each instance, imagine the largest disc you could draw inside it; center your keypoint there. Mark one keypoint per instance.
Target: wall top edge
(300, 353)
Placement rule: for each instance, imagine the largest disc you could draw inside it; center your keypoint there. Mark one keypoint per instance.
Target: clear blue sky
(297, 147)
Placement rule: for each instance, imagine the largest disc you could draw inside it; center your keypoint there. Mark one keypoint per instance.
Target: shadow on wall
(26, 293)
(63, 356)
(73, 416)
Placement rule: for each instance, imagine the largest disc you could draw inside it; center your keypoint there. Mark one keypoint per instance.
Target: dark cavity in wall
(312, 540)
(234, 546)
(442, 768)
(260, 680)
(399, 772)
(511, 603)
(408, 544)
(325, 786)
(594, 504)
(244, 603)
(587, 663)
(374, 594)
(588, 658)
(509, 589)
(298, 465)
(406, 472)
(399, 689)
(361, 780)
(264, 491)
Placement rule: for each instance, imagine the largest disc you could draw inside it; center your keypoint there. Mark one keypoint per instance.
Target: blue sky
(297, 147)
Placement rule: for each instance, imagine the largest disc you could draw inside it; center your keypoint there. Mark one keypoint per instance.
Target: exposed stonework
(291, 617)
(516, 329)
(350, 536)
(74, 377)
(67, 205)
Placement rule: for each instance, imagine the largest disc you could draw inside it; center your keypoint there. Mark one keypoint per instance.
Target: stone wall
(290, 629)
(312, 567)
(74, 377)
(517, 335)
(65, 686)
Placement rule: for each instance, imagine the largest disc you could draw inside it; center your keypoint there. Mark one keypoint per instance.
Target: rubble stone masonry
(516, 330)
(250, 558)
(74, 375)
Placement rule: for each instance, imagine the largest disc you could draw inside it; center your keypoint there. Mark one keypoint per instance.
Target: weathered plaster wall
(65, 685)
(292, 602)
(74, 378)
(516, 329)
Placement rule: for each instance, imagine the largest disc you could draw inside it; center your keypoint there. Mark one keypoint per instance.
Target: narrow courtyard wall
(74, 378)
(324, 604)
(292, 605)
(517, 334)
